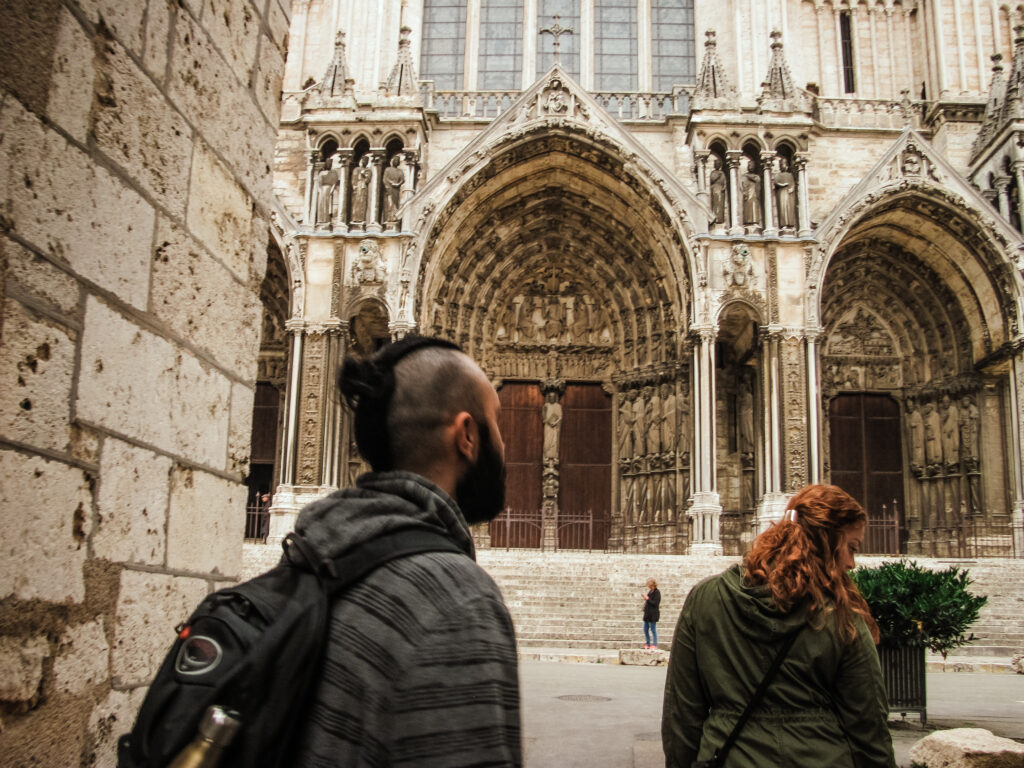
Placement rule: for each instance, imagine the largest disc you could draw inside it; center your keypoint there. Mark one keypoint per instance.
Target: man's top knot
(366, 381)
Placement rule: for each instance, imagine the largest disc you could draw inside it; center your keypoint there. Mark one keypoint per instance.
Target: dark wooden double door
(584, 466)
(866, 461)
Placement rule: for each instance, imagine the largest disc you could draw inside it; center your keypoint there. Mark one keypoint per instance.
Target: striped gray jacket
(420, 666)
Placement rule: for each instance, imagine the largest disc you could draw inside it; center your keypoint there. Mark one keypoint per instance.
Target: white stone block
(45, 518)
(278, 22)
(112, 717)
(83, 658)
(137, 128)
(36, 276)
(158, 28)
(203, 302)
(71, 84)
(240, 434)
(140, 385)
(205, 523)
(268, 78)
(132, 502)
(967, 748)
(37, 362)
(149, 607)
(219, 211)
(21, 668)
(121, 18)
(73, 209)
(643, 657)
(234, 28)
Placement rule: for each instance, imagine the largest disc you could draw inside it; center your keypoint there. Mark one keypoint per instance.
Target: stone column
(700, 158)
(803, 200)
(552, 429)
(793, 366)
(373, 193)
(768, 193)
(1002, 188)
(311, 170)
(409, 159)
(732, 159)
(813, 410)
(1016, 390)
(284, 508)
(1018, 172)
(331, 463)
(707, 507)
(344, 170)
(773, 502)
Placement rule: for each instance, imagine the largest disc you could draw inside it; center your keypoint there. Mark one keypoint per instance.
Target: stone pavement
(604, 715)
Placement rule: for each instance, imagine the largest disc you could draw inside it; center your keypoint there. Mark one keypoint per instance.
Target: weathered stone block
(135, 126)
(268, 78)
(205, 523)
(37, 362)
(132, 503)
(45, 517)
(21, 668)
(73, 209)
(140, 385)
(36, 276)
(1017, 663)
(200, 299)
(149, 606)
(216, 100)
(219, 211)
(71, 87)
(643, 657)
(278, 22)
(123, 19)
(158, 28)
(260, 241)
(240, 434)
(967, 748)
(112, 717)
(234, 27)
(83, 658)
(25, 67)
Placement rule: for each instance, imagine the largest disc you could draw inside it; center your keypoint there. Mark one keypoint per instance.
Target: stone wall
(136, 139)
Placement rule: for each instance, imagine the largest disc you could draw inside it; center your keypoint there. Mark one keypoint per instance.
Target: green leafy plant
(916, 607)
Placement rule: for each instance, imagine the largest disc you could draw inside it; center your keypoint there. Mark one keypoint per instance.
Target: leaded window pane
(444, 43)
(568, 12)
(500, 65)
(615, 45)
(673, 50)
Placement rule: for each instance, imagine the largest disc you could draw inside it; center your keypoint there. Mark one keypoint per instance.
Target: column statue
(785, 195)
(969, 433)
(361, 175)
(552, 416)
(950, 434)
(625, 425)
(668, 418)
(394, 179)
(750, 187)
(719, 189)
(932, 438)
(745, 417)
(326, 187)
(915, 425)
(639, 436)
(654, 421)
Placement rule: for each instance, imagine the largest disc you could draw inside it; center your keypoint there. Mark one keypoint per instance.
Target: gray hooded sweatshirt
(420, 667)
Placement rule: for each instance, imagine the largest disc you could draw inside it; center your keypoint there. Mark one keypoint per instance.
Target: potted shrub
(916, 609)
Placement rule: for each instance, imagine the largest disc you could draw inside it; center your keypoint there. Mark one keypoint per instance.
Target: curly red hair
(798, 558)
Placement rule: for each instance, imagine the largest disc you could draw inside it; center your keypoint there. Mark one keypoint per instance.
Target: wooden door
(585, 468)
(523, 432)
(867, 462)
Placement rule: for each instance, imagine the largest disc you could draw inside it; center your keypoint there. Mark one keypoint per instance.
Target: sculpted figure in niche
(750, 187)
(327, 185)
(369, 266)
(361, 176)
(639, 432)
(553, 319)
(626, 425)
(969, 432)
(654, 421)
(950, 433)
(916, 426)
(718, 187)
(393, 181)
(668, 418)
(745, 406)
(738, 268)
(932, 437)
(785, 195)
(552, 416)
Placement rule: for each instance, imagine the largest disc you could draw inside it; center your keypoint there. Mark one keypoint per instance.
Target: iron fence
(257, 523)
(524, 529)
(969, 537)
(517, 529)
(583, 530)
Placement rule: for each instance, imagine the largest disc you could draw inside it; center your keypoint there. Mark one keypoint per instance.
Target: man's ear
(467, 436)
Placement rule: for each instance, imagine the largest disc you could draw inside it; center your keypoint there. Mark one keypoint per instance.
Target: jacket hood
(751, 609)
(381, 502)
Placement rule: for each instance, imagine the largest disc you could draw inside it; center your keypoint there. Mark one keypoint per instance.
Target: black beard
(480, 492)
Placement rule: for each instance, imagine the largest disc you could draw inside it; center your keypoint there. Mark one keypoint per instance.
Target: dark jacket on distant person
(420, 667)
(651, 610)
(826, 706)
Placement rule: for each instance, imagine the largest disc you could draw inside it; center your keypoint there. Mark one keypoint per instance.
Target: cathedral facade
(707, 251)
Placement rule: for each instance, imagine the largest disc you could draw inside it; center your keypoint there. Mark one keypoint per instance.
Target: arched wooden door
(523, 433)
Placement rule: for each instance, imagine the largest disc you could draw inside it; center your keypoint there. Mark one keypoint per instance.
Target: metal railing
(524, 529)
(883, 534)
(583, 530)
(257, 523)
(903, 670)
(517, 529)
(487, 105)
(969, 537)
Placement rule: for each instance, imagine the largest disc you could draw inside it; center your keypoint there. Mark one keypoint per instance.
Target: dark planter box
(903, 671)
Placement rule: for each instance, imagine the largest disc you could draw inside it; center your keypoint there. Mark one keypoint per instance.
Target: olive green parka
(826, 707)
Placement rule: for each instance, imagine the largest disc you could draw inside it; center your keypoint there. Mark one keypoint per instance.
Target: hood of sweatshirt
(751, 610)
(381, 502)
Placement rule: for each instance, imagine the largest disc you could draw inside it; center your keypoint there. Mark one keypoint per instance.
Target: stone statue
(750, 187)
(950, 433)
(745, 418)
(738, 269)
(394, 179)
(639, 435)
(969, 432)
(552, 416)
(361, 176)
(625, 425)
(916, 427)
(654, 430)
(785, 195)
(718, 186)
(668, 418)
(932, 437)
(326, 186)
(553, 319)
(369, 265)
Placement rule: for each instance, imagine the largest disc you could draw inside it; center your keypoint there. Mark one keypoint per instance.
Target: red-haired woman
(826, 705)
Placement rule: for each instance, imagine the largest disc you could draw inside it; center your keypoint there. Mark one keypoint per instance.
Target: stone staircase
(591, 600)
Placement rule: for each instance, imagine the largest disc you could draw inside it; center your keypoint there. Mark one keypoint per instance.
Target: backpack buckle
(299, 554)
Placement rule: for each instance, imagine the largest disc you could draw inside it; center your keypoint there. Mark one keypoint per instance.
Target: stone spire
(993, 109)
(777, 91)
(402, 80)
(712, 82)
(336, 75)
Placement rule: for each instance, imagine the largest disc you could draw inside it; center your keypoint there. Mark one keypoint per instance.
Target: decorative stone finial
(402, 80)
(333, 83)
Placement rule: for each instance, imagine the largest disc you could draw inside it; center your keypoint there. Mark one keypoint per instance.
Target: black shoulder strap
(721, 752)
(349, 568)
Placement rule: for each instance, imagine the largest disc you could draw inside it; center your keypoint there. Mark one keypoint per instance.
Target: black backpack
(256, 648)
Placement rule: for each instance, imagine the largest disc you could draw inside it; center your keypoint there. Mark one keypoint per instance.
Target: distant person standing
(652, 612)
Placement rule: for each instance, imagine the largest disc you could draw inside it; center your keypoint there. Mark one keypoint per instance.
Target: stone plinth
(967, 748)
(643, 657)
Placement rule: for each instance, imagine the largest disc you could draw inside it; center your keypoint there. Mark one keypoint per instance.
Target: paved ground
(609, 716)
